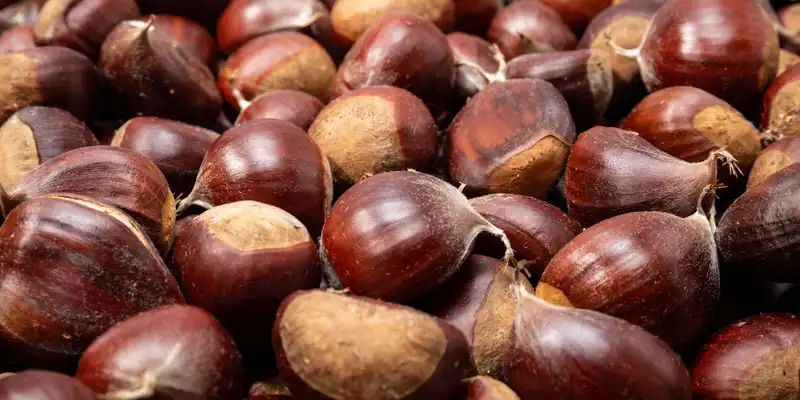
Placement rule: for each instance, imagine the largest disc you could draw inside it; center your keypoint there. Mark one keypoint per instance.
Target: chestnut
(206, 12)
(43, 385)
(18, 38)
(239, 261)
(785, 60)
(276, 61)
(49, 76)
(512, 137)
(176, 148)
(401, 255)
(269, 161)
(81, 25)
(119, 177)
(172, 352)
(375, 129)
(33, 136)
(73, 267)
(485, 388)
(477, 63)
(403, 50)
(774, 158)
(536, 230)
(577, 13)
(530, 27)
(191, 37)
(20, 13)
(406, 354)
(781, 109)
(753, 358)
(292, 106)
(152, 77)
(350, 19)
(474, 16)
(245, 20)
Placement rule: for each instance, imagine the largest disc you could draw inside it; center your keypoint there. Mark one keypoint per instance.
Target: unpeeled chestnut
(474, 16)
(477, 63)
(485, 388)
(577, 13)
(206, 12)
(530, 27)
(293, 106)
(780, 113)
(774, 158)
(191, 37)
(43, 385)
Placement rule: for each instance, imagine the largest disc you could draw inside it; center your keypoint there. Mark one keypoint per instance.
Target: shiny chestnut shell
(530, 27)
(292, 106)
(475, 59)
(577, 13)
(43, 385)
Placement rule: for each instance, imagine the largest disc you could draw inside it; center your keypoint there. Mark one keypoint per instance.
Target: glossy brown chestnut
(172, 352)
(49, 76)
(477, 62)
(530, 27)
(269, 161)
(292, 106)
(350, 19)
(786, 60)
(72, 268)
(239, 261)
(21, 13)
(277, 61)
(33, 136)
(245, 20)
(324, 353)
(191, 37)
(759, 234)
(176, 148)
(373, 130)
(43, 385)
(781, 108)
(18, 38)
(690, 124)
(485, 388)
(728, 48)
(774, 158)
(399, 256)
(536, 230)
(81, 25)
(753, 358)
(474, 16)
(153, 77)
(577, 13)
(119, 177)
(206, 12)
(584, 77)
(512, 137)
(403, 50)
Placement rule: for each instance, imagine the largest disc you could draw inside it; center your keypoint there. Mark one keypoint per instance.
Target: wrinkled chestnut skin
(728, 48)
(206, 12)
(472, 49)
(577, 13)
(474, 16)
(292, 106)
(21, 13)
(81, 25)
(245, 20)
(780, 109)
(774, 158)
(759, 234)
(403, 50)
(173, 352)
(530, 27)
(190, 36)
(72, 268)
(752, 359)
(43, 385)
(536, 230)
(485, 388)
(512, 137)
(18, 38)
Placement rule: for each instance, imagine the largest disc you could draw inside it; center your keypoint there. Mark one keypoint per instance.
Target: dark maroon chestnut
(399, 256)
(43, 385)
(72, 268)
(728, 48)
(81, 25)
(774, 158)
(403, 50)
(172, 352)
(530, 27)
(190, 36)
(276, 61)
(751, 359)
(323, 352)
(153, 77)
(785, 60)
(176, 148)
(477, 63)
(118, 177)
(33, 136)
(512, 137)
(373, 130)
(350, 19)
(584, 77)
(21, 13)
(536, 230)
(577, 13)
(485, 388)
(759, 233)
(206, 12)
(18, 38)
(781, 109)
(611, 171)
(292, 106)
(49, 76)
(474, 16)
(245, 20)
(269, 161)
(239, 261)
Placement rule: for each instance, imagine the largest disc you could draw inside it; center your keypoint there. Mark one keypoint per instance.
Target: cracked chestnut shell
(43, 385)
(18, 38)
(774, 158)
(73, 267)
(530, 27)
(292, 106)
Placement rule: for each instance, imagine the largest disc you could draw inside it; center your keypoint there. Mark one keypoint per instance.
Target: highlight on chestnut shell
(530, 27)
(43, 385)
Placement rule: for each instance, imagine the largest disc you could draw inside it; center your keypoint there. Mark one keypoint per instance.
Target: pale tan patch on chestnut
(111, 212)
(601, 78)
(351, 18)
(493, 323)
(552, 295)
(253, 226)
(532, 171)
(18, 152)
(49, 15)
(6, 375)
(729, 130)
(310, 70)
(767, 164)
(350, 349)
(168, 216)
(775, 377)
(769, 69)
(784, 116)
(497, 390)
(785, 60)
(628, 33)
(18, 84)
(359, 136)
(119, 135)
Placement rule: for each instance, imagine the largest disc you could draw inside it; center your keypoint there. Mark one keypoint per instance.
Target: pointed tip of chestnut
(293, 106)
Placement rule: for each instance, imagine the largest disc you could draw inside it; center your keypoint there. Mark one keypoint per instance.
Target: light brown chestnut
(206, 12)
(774, 158)
(530, 27)
(293, 106)
(18, 38)
(781, 108)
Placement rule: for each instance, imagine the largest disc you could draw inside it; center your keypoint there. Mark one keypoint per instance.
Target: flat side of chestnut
(297, 107)
(781, 101)
(530, 27)
(485, 388)
(774, 158)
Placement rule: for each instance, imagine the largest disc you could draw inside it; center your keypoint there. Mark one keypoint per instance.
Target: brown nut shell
(191, 37)
(43, 385)
(774, 158)
(485, 388)
(206, 12)
(530, 27)
(293, 106)
(18, 38)
(781, 108)
(577, 13)
(785, 60)
(474, 58)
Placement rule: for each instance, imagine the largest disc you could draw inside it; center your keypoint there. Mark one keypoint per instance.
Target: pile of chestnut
(399, 199)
